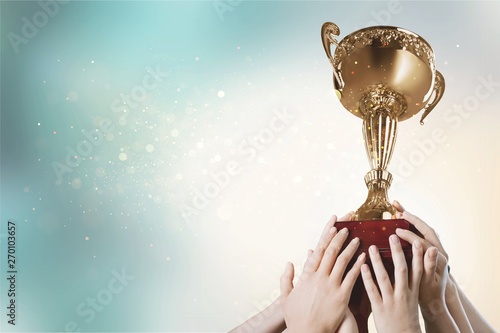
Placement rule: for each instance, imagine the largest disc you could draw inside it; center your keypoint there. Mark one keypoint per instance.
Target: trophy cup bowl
(383, 75)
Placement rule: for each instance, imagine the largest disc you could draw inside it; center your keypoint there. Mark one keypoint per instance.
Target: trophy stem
(381, 108)
(377, 203)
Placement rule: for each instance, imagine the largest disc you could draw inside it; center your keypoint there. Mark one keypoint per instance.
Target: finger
(428, 232)
(343, 260)
(313, 262)
(309, 254)
(370, 286)
(330, 224)
(398, 206)
(410, 237)
(400, 266)
(352, 275)
(442, 264)
(346, 217)
(286, 281)
(430, 265)
(326, 235)
(333, 251)
(417, 266)
(380, 273)
(430, 261)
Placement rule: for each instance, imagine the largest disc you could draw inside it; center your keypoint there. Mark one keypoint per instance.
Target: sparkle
(122, 157)
(221, 94)
(87, 238)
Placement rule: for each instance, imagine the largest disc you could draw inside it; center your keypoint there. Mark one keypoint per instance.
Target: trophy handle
(329, 31)
(438, 93)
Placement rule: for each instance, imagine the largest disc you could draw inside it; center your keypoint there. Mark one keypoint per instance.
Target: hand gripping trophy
(382, 75)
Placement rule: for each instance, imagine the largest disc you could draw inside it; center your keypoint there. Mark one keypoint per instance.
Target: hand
(271, 320)
(395, 308)
(348, 324)
(432, 301)
(433, 284)
(453, 295)
(319, 301)
(431, 238)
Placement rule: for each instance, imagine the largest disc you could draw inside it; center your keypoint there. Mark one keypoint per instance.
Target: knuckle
(383, 278)
(342, 260)
(332, 251)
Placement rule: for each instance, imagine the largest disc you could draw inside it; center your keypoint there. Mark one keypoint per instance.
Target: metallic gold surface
(382, 75)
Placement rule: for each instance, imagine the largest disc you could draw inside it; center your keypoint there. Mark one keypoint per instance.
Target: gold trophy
(382, 75)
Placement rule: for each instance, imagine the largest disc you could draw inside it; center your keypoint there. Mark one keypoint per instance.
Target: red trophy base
(373, 232)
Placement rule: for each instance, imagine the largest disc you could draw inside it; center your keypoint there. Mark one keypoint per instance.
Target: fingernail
(362, 256)
(355, 240)
(433, 252)
(400, 230)
(373, 249)
(365, 268)
(394, 239)
(333, 230)
(417, 244)
(344, 231)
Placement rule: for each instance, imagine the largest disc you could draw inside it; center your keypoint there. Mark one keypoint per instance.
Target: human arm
(269, 320)
(466, 316)
(437, 317)
(318, 302)
(395, 307)
(455, 295)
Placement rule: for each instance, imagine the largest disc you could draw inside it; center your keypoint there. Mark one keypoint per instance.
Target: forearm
(438, 319)
(456, 309)
(478, 323)
(269, 320)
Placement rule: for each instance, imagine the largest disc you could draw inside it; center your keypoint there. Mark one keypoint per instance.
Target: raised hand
(319, 301)
(431, 238)
(432, 301)
(395, 308)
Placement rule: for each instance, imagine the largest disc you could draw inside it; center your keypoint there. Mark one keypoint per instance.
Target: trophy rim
(407, 39)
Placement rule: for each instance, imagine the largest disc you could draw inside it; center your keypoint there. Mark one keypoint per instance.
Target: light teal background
(225, 68)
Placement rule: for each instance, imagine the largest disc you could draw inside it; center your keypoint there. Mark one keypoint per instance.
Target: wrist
(306, 328)
(433, 310)
(451, 292)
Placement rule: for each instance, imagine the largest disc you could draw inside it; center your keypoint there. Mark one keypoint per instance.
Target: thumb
(286, 281)
(430, 262)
